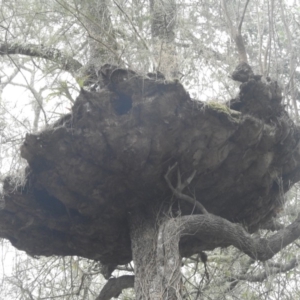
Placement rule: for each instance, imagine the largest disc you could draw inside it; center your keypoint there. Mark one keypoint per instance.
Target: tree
(139, 170)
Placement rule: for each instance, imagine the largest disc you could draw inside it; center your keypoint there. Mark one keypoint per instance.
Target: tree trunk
(103, 47)
(163, 23)
(155, 250)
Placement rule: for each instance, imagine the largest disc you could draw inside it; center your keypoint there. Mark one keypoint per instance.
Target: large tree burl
(108, 157)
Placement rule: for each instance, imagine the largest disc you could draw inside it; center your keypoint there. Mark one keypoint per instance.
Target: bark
(281, 268)
(236, 31)
(292, 64)
(273, 225)
(103, 46)
(157, 256)
(114, 286)
(65, 62)
(163, 19)
(163, 23)
(219, 232)
(101, 181)
(87, 75)
(143, 234)
(157, 261)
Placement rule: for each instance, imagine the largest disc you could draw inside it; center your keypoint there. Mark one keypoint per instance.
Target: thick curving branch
(219, 232)
(114, 286)
(67, 63)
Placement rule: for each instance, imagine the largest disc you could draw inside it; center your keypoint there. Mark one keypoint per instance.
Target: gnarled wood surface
(109, 156)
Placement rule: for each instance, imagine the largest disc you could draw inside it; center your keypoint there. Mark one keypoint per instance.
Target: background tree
(67, 36)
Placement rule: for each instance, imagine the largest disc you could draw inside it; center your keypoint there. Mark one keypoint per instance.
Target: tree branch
(235, 279)
(181, 186)
(227, 16)
(71, 9)
(107, 269)
(264, 275)
(214, 231)
(67, 63)
(133, 27)
(236, 33)
(242, 18)
(273, 225)
(114, 286)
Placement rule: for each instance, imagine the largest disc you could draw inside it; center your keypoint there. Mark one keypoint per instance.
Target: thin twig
(85, 27)
(180, 186)
(132, 25)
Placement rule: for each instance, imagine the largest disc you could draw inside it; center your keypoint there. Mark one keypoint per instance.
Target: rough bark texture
(65, 62)
(88, 172)
(155, 250)
(144, 243)
(163, 23)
